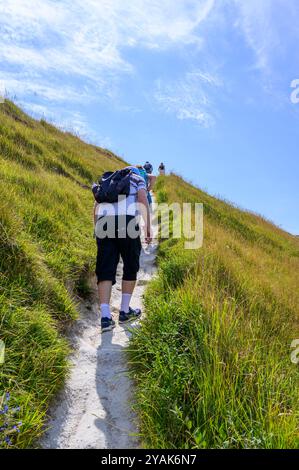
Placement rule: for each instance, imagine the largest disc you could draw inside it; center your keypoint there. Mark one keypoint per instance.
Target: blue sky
(202, 85)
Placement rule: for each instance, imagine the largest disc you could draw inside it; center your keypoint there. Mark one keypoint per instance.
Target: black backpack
(112, 185)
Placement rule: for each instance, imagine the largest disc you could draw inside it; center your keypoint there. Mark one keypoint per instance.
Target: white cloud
(37, 110)
(68, 120)
(75, 51)
(52, 93)
(57, 55)
(86, 39)
(189, 97)
(78, 125)
(255, 21)
(270, 28)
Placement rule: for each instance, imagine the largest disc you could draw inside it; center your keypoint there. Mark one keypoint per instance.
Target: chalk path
(94, 409)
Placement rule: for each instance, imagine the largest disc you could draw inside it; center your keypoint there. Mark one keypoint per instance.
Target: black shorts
(110, 249)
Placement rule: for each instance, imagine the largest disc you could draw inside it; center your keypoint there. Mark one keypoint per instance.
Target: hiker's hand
(148, 237)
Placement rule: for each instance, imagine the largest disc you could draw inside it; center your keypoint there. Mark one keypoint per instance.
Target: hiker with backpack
(145, 172)
(119, 197)
(148, 167)
(149, 170)
(162, 169)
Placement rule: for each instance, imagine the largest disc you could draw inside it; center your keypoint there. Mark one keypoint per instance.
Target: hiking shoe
(130, 316)
(107, 324)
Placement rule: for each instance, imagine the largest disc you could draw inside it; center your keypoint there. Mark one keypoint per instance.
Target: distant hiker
(162, 169)
(118, 235)
(148, 178)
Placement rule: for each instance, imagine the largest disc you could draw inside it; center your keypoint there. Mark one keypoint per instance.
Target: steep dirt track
(94, 410)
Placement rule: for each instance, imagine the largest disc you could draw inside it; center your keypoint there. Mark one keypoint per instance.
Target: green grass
(212, 358)
(46, 247)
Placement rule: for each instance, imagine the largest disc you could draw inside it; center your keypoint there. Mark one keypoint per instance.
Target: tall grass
(212, 358)
(45, 245)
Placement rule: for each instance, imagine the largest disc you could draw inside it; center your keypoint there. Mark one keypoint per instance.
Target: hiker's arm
(152, 180)
(145, 213)
(95, 213)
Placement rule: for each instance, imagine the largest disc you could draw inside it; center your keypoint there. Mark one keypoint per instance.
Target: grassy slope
(212, 359)
(45, 247)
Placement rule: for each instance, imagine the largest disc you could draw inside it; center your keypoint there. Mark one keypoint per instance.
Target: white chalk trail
(94, 409)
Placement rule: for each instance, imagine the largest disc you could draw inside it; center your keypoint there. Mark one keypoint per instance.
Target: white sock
(125, 302)
(105, 311)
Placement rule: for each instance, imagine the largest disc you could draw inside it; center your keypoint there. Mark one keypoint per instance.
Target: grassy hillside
(46, 246)
(212, 358)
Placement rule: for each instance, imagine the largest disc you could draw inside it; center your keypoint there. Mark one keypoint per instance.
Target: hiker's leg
(128, 287)
(127, 291)
(107, 261)
(130, 253)
(104, 289)
(130, 249)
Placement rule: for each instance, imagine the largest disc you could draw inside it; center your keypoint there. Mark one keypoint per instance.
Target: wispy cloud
(270, 28)
(59, 55)
(78, 125)
(189, 97)
(52, 93)
(255, 22)
(75, 39)
(74, 52)
(67, 120)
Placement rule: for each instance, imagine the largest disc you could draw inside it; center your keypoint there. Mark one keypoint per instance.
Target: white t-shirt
(127, 205)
